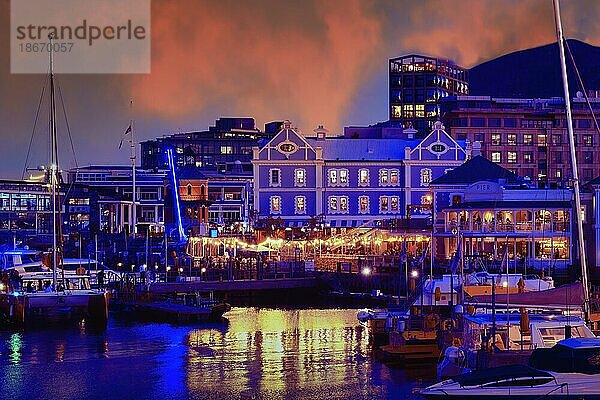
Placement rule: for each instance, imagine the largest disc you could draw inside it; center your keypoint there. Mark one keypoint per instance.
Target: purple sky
(313, 62)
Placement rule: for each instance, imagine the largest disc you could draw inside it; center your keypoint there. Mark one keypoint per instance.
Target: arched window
(189, 189)
(202, 188)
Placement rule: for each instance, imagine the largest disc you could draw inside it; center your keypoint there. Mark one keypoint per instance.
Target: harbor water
(256, 353)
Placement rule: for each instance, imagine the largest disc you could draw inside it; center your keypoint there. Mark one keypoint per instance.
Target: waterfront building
(527, 136)
(492, 210)
(114, 188)
(347, 182)
(417, 83)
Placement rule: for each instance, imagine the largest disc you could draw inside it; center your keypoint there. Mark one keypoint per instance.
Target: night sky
(313, 62)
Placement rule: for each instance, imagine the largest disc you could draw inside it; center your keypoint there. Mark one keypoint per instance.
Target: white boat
(569, 370)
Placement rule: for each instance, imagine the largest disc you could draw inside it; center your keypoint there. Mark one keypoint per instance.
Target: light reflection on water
(269, 353)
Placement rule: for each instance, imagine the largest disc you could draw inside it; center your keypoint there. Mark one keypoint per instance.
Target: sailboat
(46, 295)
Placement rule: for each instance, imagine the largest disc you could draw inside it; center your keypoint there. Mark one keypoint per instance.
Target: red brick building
(527, 136)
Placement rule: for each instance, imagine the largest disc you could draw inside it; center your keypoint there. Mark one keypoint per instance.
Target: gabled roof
(477, 169)
(344, 149)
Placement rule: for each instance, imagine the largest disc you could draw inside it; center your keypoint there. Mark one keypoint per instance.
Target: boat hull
(29, 308)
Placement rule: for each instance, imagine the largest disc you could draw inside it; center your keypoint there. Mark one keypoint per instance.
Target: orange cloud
(241, 60)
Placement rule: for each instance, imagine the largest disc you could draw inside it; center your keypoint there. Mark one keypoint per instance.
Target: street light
(366, 271)
(414, 273)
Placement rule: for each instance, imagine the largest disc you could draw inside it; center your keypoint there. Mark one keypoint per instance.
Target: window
(511, 157)
(456, 199)
(541, 139)
(363, 177)
(557, 157)
(512, 139)
(383, 177)
(496, 157)
(584, 123)
(363, 205)
(300, 177)
(588, 157)
(300, 202)
(588, 140)
(226, 149)
(479, 137)
(528, 139)
(189, 189)
(394, 177)
(338, 177)
(510, 122)
(556, 139)
(338, 204)
(383, 204)
(558, 173)
(343, 177)
(477, 122)
(494, 122)
(426, 200)
(275, 177)
(425, 176)
(389, 204)
(275, 205)
(528, 157)
(496, 141)
(333, 177)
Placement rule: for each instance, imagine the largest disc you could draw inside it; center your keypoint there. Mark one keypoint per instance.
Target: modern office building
(527, 136)
(417, 83)
(229, 141)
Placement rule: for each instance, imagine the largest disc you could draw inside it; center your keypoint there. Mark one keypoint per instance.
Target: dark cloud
(315, 62)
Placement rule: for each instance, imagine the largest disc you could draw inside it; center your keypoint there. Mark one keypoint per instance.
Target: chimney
(320, 132)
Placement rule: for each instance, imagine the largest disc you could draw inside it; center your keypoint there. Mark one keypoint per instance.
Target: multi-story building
(493, 212)
(230, 140)
(114, 188)
(417, 83)
(527, 136)
(348, 182)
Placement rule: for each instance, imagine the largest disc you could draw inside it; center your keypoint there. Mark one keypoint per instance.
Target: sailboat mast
(132, 157)
(53, 164)
(563, 68)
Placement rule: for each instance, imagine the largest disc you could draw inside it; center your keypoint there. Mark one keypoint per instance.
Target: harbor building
(494, 212)
(527, 136)
(417, 83)
(349, 182)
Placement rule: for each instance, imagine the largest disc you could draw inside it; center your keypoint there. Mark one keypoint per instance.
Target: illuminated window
(338, 204)
(275, 177)
(333, 177)
(496, 156)
(384, 204)
(425, 176)
(300, 177)
(427, 199)
(338, 177)
(300, 202)
(511, 139)
(556, 139)
(511, 157)
(394, 204)
(384, 178)
(394, 177)
(527, 157)
(541, 139)
(343, 177)
(333, 204)
(528, 139)
(363, 177)
(226, 149)
(558, 173)
(496, 141)
(275, 205)
(588, 140)
(396, 112)
(363, 204)
(420, 110)
(407, 111)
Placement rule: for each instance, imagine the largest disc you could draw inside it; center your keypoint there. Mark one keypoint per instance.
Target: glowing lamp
(366, 271)
(414, 273)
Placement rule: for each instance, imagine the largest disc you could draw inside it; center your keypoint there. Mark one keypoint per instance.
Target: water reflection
(309, 354)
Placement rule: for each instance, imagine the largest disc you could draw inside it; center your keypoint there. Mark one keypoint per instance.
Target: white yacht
(568, 370)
